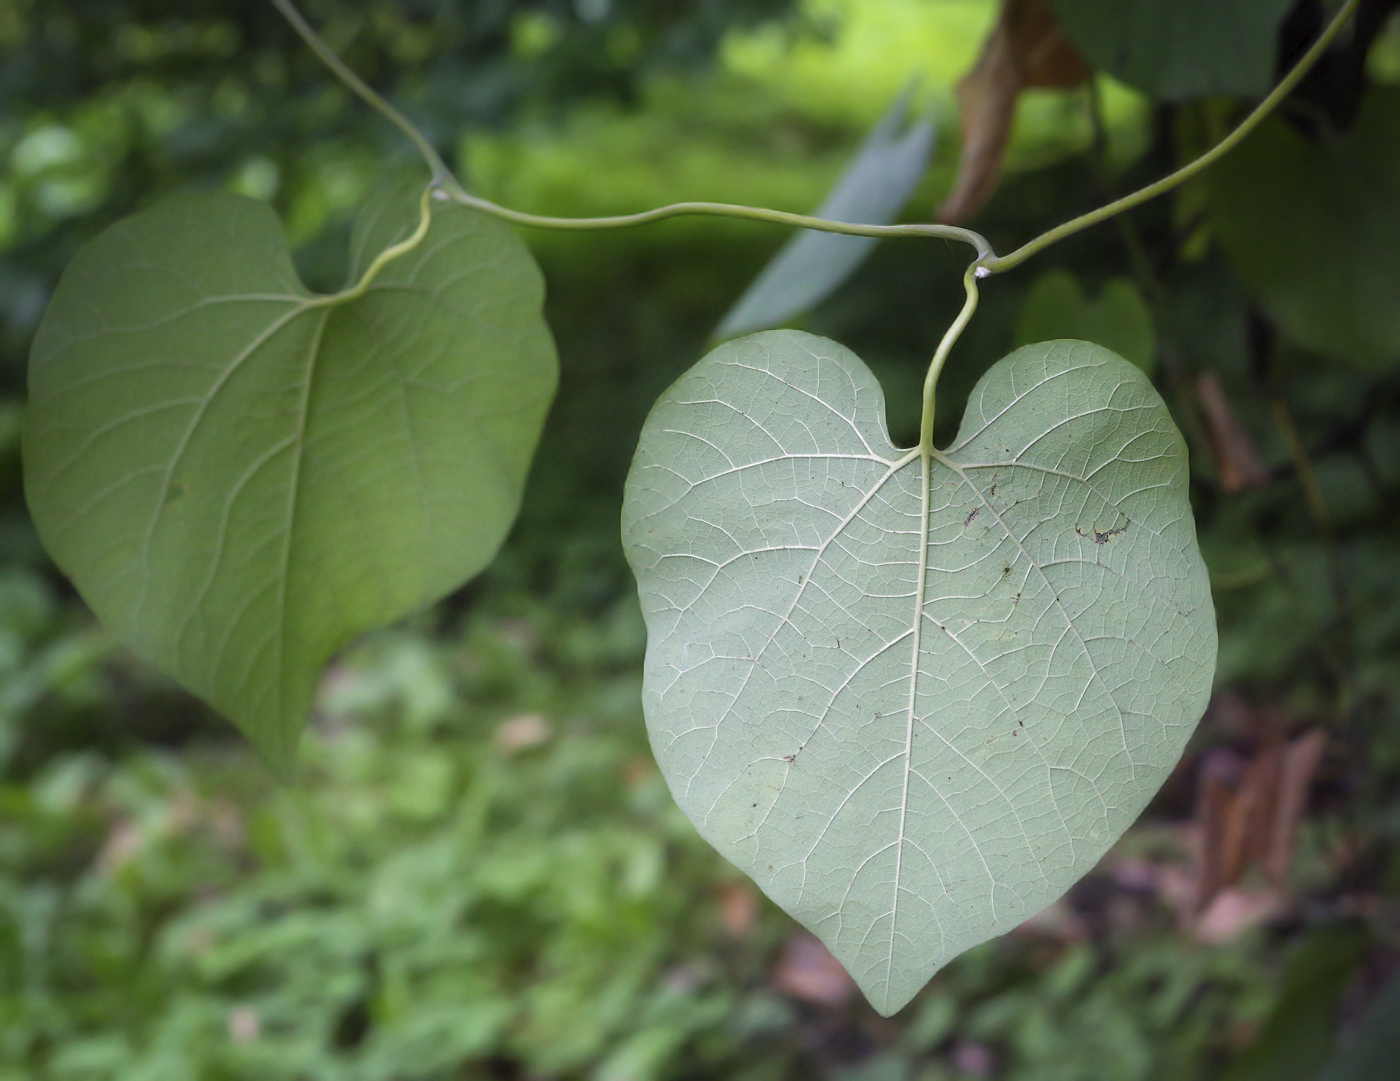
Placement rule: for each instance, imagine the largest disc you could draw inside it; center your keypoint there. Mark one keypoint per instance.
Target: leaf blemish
(971, 517)
(176, 492)
(1108, 535)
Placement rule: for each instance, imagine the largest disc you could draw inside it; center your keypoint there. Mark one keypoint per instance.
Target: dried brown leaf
(1218, 819)
(738, 908)
(1300, 761)
(1248, 809)
(522, 731)
(1044, 56)
(807, 971)
(1026, 48)
(1236, 460)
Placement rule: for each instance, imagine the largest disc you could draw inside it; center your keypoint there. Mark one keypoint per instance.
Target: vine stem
(940, 357)
(987, 262)
(726, 210)
(445, 186)
(997, 263)
(448, 187)
(441, 173)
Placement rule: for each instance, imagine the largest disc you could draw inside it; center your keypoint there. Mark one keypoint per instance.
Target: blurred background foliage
(478, 873)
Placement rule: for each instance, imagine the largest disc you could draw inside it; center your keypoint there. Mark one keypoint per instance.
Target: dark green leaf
(1373, 1050)
(1314, 229)
(1179, 48)
(241, 476)
(1297, 1036)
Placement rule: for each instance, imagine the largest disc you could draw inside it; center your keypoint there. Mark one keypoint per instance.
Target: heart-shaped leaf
(240, 476)
(915, 696)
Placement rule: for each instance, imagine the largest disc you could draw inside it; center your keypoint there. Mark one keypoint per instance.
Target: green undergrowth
(479, 873)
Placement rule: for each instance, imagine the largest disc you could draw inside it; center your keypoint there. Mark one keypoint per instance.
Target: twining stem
(940, 357)
(726, 210)
(343, 72)
(450, 188)
(988, 262)
(446, 186)
(998, 263)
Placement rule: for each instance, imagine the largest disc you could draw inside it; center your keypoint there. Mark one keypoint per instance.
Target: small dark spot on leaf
(176, 492)
(971, 517)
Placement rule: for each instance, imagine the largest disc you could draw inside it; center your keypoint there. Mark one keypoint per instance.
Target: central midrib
(925, 462)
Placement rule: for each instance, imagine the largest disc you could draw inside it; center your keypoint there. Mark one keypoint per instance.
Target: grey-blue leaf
(915, 696)
(872, 191)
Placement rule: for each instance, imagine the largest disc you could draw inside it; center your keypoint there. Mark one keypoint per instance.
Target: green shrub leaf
(1179, 48)
(1118, 318)
(912, 762)
(1314, 229)
(240, 476)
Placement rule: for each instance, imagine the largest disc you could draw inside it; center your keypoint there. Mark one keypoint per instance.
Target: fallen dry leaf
(807, 971)
(1236, 460)
(1300, 761)
(521, 732)
(1232, 912)
(244, 1024)
(1248, 809)
(738, 908)
(1026, 48)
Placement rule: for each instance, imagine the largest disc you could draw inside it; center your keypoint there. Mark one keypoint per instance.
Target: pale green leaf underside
(908, 788)
(241, 476)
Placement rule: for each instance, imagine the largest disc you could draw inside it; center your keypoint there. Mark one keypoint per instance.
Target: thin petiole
(940, 357)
